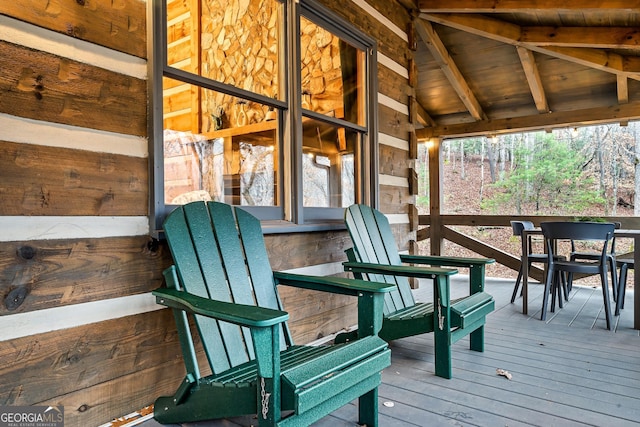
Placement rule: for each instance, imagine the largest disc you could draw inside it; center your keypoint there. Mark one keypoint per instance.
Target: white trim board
(396, 181)
(19, 228)
(319, 269)
(38, 38)
(393, 65)
(393, 141)
(382, 19)
(397, 218)
(393, 104)
(37, 132)
(68, 316)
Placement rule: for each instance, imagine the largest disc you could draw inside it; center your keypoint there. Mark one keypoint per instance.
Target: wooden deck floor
(567, 371)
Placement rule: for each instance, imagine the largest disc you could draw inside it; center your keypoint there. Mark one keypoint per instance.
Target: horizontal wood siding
(74, 185)
(53, 273)
(389, 42)
(393, 122)
(40, 180)
(83, 360)
(73, 148)
(119, 25)
(394, 199)
(393, 85)
(393, 161)
(47, 87)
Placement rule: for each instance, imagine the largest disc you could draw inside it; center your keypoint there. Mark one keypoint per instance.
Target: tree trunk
(636, 179)
(491, 155)
(462, 172)
(481, 169)
(502, 159)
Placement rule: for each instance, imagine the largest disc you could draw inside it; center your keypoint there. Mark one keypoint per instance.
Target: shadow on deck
(567, 371)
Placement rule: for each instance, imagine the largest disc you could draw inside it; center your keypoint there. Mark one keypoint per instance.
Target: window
(266, 104)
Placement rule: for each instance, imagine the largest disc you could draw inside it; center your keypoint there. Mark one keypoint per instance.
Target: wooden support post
(413, 223)
(413, 182)
(435, 194)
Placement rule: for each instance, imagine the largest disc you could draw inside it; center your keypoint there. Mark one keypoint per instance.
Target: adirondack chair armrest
(398, 270)
(338, 285)
(445, 261)
(239, 314)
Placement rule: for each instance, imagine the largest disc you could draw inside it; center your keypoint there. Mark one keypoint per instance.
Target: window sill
(282, 227)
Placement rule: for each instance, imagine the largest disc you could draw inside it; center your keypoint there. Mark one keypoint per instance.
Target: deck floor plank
(566, 371)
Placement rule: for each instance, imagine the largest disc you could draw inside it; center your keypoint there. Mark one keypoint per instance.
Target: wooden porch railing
(438, 234)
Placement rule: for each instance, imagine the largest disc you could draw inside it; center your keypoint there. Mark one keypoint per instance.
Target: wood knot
(27, 252)
(153, 245)
(30, 82)
(15, 298)
(80, 2)
(83, 408)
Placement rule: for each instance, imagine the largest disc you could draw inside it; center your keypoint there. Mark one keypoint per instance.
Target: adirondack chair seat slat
(289, 357)
(248, 372)
(375, 256)
(221, 276)
(301, 365)
(421, 309)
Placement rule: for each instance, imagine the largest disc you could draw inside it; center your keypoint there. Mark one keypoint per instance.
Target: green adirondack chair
(375, 257)
(221, 275)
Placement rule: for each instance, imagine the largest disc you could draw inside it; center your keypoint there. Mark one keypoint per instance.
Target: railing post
(435, 194)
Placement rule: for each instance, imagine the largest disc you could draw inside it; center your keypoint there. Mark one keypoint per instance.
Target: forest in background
(586, 172)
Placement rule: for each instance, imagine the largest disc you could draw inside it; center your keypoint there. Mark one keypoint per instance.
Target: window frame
(289, 215)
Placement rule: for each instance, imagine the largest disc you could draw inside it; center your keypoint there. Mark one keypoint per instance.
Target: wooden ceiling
(499, 66)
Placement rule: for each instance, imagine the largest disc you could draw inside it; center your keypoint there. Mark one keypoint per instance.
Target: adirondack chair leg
(476, 339)
(370, 314)
(267, 417)
(442, 327)
(476, 278)
(267, 341)
(368, 409)
(476, 284)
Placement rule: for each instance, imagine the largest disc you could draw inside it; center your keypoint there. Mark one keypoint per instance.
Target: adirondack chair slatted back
(377, 245)
(213, 262)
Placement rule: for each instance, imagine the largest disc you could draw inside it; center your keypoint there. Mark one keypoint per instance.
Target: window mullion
(294, 122)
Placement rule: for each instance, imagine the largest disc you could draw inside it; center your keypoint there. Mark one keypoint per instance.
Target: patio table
(634, 234)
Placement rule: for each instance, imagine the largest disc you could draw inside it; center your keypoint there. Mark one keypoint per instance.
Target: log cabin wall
(78, 326)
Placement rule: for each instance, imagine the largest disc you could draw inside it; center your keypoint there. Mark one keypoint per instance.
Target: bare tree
(636, 179)
(462, 172)
(491, 155)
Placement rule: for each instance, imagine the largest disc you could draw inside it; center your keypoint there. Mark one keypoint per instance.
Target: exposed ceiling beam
(441, 55)
(511, 34)
(410, 5)
(594, 37)
(596, 58)
(616, 113)
(623, 90)
(533, 78)
(507, 6)
(423, 117)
